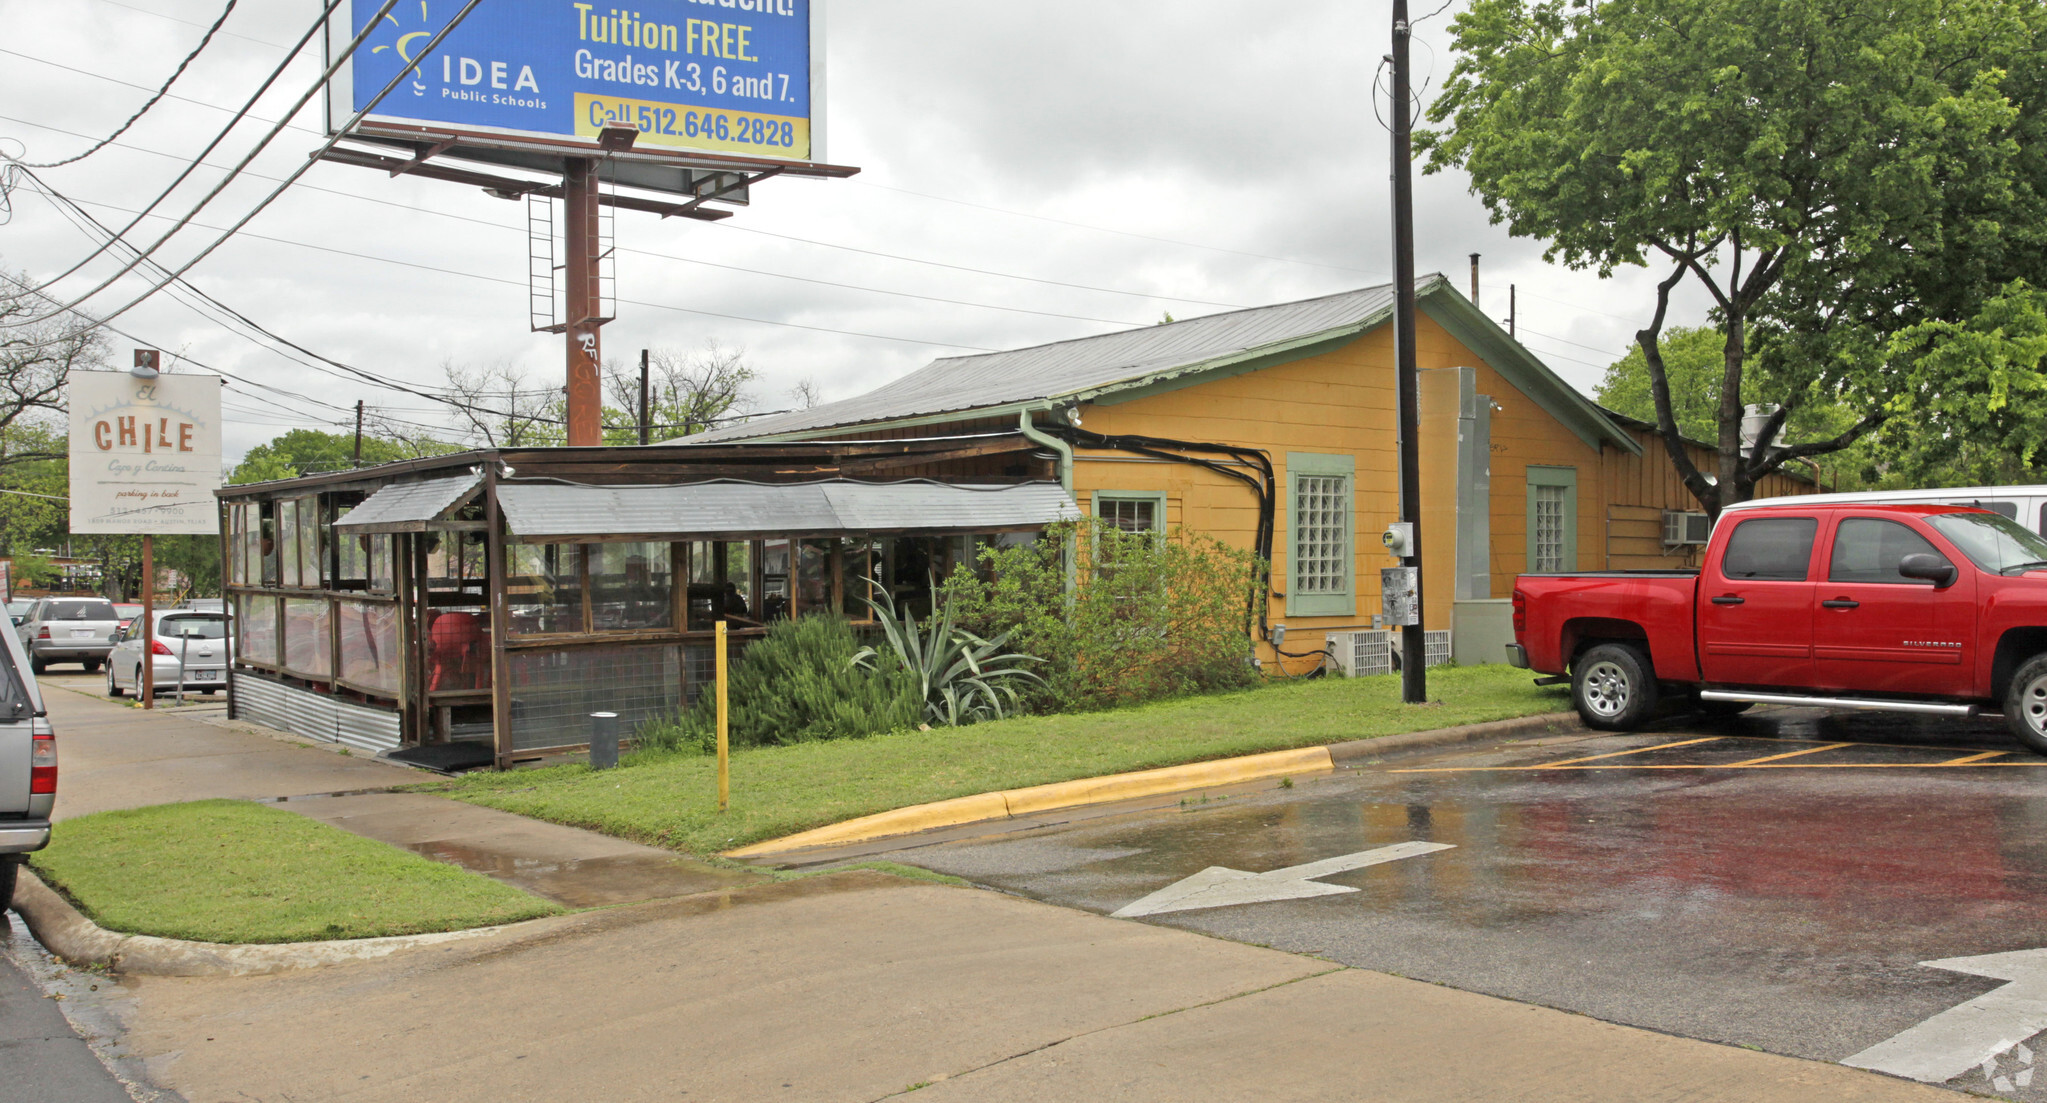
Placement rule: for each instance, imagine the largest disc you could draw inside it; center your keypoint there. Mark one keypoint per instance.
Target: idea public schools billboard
(145, 454)
(738, 77)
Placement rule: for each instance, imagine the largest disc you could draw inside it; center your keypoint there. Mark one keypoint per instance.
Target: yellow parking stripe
(1971, 758)
(1617, 754)
(1794, 754)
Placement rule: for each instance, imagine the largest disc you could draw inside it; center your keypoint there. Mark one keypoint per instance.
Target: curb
(69, 935)
(1009, 804)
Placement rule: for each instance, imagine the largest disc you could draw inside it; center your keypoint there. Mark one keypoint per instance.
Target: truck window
(1770, 549)
(2007, 509)
(1868, 550)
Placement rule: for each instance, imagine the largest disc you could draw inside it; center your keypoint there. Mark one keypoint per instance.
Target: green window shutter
(1552, 519)
(1321, 526)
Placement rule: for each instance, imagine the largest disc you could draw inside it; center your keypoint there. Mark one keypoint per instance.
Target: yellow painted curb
(1042, 798)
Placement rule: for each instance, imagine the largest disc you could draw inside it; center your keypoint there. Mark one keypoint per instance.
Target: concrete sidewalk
(846, 986)
(113, 755)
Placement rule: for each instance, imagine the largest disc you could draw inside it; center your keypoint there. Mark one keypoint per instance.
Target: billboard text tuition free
(717, 76)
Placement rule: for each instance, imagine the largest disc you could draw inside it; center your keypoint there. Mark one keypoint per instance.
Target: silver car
(70, 630)
(187, 643)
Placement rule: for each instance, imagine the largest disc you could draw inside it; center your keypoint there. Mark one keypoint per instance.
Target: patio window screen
(544, 587)
(555, 691)
(369, 645)
(632, 586)
(256, 630)
(308, 646)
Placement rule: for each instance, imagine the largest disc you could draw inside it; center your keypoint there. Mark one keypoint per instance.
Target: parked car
(186, 644)
(205, 604)
(17, 610)
(128, 610)
(70, 630)
(1910, 608)
(28, 765)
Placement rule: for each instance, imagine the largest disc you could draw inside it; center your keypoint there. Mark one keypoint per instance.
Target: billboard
(145, 453)
(737, 77)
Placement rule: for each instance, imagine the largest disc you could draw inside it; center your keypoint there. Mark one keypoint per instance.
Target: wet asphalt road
(1782, 904)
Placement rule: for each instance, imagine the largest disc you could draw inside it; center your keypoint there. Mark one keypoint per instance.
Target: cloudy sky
(1052, 169)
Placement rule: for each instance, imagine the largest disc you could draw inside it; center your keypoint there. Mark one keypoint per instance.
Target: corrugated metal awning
(409, 507)
(724, 509)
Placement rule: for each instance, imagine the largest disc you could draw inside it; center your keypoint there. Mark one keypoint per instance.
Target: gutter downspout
(1038, 436)
(1064, 451)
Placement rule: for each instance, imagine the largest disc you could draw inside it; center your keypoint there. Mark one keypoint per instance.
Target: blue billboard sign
(719, 76)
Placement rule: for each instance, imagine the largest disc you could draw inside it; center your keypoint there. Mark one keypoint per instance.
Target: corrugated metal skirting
(314, 715)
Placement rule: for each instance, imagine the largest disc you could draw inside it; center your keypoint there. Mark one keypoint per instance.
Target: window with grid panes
(1321, 523)
(1547, 535)
(1130, 514)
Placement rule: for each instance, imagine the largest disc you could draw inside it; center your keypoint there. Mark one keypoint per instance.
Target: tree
(314, 452)
(497, 406)
(35, 361)
(687, 392)
(1847, 182)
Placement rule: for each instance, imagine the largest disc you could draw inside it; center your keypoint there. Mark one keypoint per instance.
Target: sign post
(145, 460)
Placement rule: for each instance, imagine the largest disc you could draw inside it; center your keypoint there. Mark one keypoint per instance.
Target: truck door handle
(1841, 603)
(1727, 599)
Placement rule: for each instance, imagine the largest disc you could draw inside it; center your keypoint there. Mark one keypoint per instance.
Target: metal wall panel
(314, 715)
(539, 511)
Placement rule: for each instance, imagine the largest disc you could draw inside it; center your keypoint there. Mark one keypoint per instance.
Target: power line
(239, 114)
(333, 68)
(152, 101)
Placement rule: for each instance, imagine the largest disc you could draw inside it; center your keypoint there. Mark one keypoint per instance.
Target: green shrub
(797, 684)
(1149, 617)
(961, 677)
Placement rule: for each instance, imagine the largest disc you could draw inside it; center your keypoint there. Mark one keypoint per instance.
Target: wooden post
(148, 687)
(500, 625)
(724, 717)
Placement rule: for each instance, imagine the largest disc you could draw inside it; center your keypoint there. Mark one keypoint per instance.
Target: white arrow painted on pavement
(1221, 887)
(1963, 1037)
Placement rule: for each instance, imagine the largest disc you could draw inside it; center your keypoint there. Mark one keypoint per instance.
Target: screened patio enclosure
(498, 598)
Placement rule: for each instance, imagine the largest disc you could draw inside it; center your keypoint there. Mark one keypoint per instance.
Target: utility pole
(358, 434)
(1414, 686)
(579, 211)
(1510, 310)
(1474, 279)
(646, 426)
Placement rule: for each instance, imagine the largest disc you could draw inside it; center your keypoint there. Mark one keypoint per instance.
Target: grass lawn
(672, 801)
(234, 871)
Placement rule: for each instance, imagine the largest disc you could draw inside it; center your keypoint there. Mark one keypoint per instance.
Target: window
(1770, 549)
(1321, 564)
(544, 587)
(1868, 550)
(631, 587)
(1552, 519)
(1131, 510)
(2007, 509)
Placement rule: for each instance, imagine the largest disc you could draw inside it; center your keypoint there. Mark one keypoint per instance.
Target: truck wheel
(1614, 689)
(7, 868)
(2025, 705)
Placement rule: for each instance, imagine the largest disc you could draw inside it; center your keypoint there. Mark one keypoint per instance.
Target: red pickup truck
(1910, 608)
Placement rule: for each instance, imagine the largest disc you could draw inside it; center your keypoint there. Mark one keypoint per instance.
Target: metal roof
(1072, 368)
(408, 507)
(543, 511)
(1179, 354)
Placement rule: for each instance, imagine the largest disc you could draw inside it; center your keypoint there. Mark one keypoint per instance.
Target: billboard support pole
(580, 197)
(147, 687)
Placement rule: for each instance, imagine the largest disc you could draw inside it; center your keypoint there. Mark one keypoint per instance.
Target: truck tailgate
(1656, 606)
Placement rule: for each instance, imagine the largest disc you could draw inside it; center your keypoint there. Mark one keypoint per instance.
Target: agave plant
(965, 677)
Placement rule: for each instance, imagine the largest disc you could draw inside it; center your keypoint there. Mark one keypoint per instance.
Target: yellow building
(1275, 428)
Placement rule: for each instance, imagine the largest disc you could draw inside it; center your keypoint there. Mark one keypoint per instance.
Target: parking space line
(1965, 760)
(1793, 754)
(1617, 754)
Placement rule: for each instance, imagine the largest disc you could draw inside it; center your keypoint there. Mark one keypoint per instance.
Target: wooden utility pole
(1414, 687)
(581, 239)
(646, 427)
(358, 434)
(148, 686)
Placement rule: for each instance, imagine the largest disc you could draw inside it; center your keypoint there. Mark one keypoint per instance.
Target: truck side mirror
(1930, 567)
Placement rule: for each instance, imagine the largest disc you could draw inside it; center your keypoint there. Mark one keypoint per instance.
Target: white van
(2025, 504)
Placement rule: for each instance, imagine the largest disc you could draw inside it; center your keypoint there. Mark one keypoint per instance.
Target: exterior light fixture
(617, 139)
(147, 362)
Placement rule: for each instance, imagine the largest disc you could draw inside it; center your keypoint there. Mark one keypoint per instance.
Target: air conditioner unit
(1364, 653)
(1685, 528)
(1360, 654)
